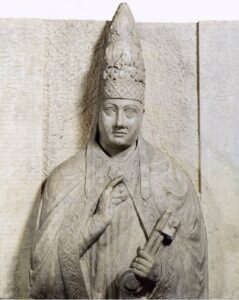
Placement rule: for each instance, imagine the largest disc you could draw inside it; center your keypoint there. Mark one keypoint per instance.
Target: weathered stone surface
(72, 62)
(49, 76)
(21, 102)
(219, 106)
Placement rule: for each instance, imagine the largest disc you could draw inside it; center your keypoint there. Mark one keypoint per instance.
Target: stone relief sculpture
(120, 219)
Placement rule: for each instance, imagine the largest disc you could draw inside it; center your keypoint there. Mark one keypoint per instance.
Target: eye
(109, 110)
(130, 112)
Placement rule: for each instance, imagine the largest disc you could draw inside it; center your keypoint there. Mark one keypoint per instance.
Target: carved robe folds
(152, 183)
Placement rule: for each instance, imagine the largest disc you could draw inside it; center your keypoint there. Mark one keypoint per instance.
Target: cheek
(133, 128)
(105, 122)
(135, 124)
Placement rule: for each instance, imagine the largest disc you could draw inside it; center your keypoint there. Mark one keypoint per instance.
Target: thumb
(139, 249)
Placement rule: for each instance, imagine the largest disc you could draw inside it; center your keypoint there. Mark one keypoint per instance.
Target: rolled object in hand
(129, 283)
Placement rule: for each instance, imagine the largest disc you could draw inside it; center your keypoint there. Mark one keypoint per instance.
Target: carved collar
(96, 159)
(108, 168)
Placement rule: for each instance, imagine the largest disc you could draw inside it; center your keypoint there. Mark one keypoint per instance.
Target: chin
(119, 144)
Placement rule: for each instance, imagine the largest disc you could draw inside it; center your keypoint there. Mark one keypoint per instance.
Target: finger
(145, 255)
(139, 267)
(143, 262)
(118, 200)
(140, 273)
(113, 183)
(110, 186)
(116, 181)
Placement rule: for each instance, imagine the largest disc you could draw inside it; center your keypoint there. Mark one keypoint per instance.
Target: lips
(119, 133)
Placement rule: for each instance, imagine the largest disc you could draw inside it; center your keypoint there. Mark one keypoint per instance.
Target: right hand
(106, 206)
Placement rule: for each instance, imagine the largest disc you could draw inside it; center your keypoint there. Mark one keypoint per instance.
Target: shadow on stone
(90, 102)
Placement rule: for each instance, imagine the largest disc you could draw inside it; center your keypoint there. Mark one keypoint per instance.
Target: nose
(120, 119)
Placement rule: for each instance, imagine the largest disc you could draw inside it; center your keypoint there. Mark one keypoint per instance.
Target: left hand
(146, 266)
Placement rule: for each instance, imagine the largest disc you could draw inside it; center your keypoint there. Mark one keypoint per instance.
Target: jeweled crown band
(123, 90)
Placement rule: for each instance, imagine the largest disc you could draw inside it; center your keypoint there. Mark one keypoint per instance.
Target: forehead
(121, 103)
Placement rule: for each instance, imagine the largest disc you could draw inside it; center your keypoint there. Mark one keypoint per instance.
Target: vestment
(153, 182)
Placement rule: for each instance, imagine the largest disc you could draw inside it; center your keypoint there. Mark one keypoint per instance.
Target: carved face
(119, 123)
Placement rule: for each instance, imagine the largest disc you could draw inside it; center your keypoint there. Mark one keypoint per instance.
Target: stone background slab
(21, 155)
(219, 122)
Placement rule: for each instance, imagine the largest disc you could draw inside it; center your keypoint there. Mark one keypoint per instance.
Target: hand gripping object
(162, 234)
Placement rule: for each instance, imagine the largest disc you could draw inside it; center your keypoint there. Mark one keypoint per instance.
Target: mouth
(119, 133)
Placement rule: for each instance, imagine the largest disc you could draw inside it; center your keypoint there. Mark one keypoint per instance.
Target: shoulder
(166, 171)
(66, 174)
(178, 193)
(60, 182)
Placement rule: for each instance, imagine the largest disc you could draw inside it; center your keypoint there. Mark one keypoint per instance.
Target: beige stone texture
(219, 122)
(49, 78)
(21, 106)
